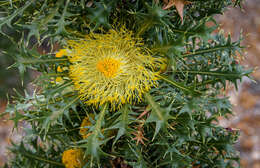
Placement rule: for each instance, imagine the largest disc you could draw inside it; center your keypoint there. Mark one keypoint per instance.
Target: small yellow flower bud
(61, 53)
(73, 158)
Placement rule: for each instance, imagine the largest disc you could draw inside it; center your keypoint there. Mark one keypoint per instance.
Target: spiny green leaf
(180, 86)
(100, 14)
(57, 113)
(7, 20)
(158, 115)
(93, 141)
(140, 162)
(61, 22)
(122, 123)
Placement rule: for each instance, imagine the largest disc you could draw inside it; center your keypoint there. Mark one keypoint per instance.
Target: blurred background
(246, 99)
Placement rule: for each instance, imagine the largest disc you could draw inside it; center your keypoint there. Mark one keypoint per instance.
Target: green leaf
(61, 22)
(100, 14)
(122, 123)
(7, 20)
(93, 141)
(158, 115)
(17, 118)
(57, 114)
(140, 162)
(154, 16)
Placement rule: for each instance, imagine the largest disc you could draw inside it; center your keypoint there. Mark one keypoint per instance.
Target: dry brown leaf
(164, 1)
(139, 134)
(89, 3)
(179, 4)
(168, 4)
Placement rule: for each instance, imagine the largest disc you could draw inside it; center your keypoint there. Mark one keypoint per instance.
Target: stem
(56, 100)
(204, 51)
(56, 74)
(4, 3)
(63, 131)
(181, 31)
(178, 85)
(63, 86)
(32, 61)
(42, 159)
(211, 73)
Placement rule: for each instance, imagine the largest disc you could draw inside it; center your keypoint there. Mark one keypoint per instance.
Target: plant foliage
(176, 124)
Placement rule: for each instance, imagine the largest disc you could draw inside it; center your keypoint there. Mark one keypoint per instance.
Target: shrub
(123, 83)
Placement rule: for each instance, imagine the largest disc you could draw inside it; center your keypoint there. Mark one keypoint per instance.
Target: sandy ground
(246, 100)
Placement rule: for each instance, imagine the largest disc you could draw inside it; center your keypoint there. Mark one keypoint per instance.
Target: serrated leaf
(17, 117)
(93, 141)
(7, 20)
(57, 113)
(122, 123)
(61, 22)
(100, 14)
(140, 162)
(158, 115)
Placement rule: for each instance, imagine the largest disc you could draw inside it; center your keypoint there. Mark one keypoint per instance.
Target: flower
(61, 53)
(73, 158)
(85, 123)
(113, 67)
(59, 79)
(59, 69)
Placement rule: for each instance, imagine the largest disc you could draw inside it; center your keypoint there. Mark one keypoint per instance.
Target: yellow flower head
(114, 67)
(85, 123)
(73, 158)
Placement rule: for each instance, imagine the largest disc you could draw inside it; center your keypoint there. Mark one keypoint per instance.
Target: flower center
(108, 67)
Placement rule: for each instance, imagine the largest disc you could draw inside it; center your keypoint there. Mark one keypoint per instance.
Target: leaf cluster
(177, 123)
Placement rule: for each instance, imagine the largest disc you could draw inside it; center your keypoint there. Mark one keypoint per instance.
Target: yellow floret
(85, 123)
(59, 69)
(59, 79)
(61, 53)
(73, 158)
